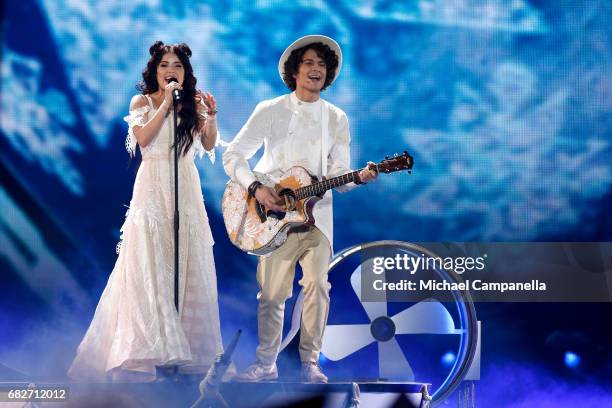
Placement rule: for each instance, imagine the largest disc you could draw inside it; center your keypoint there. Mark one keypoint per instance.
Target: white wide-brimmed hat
(306, 40)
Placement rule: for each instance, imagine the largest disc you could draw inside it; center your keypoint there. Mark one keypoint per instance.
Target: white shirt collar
(297, 102)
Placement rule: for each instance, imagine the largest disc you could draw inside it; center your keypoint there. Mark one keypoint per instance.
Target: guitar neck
(321, 187)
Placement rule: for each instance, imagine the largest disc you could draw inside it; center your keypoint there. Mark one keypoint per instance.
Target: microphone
(176, 94)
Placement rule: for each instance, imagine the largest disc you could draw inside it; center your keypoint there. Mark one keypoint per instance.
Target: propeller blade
(392, 364)
(425, 317)
(373, 309)
(342, 340)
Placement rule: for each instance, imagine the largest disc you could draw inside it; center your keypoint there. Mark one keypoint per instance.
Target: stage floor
(185, 392)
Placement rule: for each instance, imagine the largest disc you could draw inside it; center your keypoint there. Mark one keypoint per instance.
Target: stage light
(571, 359)
(448, 358)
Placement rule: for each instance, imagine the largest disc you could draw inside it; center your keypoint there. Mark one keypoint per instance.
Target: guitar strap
(324, 137)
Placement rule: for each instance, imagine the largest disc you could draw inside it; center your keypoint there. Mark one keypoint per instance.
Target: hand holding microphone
(173, 92)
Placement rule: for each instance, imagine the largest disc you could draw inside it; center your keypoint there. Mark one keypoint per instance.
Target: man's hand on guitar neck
(368, 173)
(268, 197)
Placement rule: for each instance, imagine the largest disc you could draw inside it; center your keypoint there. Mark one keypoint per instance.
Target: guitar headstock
(396, 163)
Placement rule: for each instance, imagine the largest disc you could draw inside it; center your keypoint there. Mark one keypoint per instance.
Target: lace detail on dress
(136, 117)
(199, 149)
(136, 327)
(120, 243)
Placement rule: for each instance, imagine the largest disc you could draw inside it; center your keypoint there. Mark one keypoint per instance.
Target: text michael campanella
(410, 265)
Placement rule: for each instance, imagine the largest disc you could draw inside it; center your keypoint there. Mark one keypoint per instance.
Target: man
(298, 129)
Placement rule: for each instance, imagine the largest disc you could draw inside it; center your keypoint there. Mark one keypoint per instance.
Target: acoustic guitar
(258, 230)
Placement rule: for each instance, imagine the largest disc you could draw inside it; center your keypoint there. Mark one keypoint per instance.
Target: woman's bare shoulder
(138, 101)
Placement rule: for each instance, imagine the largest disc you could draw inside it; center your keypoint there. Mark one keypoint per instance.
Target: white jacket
(269, 124)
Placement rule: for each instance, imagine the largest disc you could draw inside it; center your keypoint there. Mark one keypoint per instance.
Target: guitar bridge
(260, 211)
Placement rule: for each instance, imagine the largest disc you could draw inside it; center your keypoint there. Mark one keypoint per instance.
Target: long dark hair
(189, 122)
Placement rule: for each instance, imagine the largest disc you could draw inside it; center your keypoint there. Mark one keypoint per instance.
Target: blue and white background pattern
(506, 107)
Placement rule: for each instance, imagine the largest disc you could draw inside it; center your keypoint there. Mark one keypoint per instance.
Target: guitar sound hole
(279, 215)
(287, 202)
(288, 199)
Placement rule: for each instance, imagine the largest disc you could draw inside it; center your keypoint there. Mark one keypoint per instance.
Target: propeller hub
(382, 328)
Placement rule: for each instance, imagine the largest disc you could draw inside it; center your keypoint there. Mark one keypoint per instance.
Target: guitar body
(259, 231)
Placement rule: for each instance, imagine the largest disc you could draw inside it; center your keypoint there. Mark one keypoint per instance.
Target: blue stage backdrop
(506, 107)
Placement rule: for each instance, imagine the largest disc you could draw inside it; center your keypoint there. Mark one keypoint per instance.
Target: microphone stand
(176, 210)
(210, 396)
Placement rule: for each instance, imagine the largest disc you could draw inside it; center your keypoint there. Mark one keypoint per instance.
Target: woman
(136, 328)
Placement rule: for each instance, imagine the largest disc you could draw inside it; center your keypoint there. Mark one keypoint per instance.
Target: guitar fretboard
(320, 187)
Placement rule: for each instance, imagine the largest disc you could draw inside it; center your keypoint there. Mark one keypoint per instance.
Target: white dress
(136, 327)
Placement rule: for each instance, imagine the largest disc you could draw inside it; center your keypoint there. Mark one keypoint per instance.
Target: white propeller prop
(343, 339)
(392, 364)
(426, 317)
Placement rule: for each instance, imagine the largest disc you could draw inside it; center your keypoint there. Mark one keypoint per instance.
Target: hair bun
(184, 48)
(157, 45)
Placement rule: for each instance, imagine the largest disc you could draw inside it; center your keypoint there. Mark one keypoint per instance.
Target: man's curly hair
(292, 65)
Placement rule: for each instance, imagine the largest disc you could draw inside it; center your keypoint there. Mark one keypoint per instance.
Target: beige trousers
(275, 275)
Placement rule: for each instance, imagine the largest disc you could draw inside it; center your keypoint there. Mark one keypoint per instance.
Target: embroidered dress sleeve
(200, 150)
(136, 117)
(244, 146)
